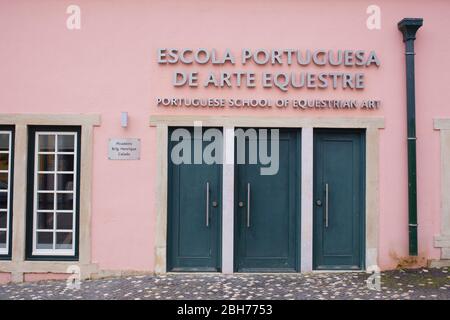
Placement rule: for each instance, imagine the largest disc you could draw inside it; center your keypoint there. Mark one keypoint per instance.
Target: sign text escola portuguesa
(280, 80)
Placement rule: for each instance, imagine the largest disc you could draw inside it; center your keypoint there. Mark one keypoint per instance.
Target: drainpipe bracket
(409, 27)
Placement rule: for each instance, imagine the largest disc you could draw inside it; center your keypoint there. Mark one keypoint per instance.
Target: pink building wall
(110, 66)
(32, 277)
(5, 277)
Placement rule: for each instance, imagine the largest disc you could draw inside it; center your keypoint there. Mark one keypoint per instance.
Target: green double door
(338, 221)
(267, 212)
(267, 206)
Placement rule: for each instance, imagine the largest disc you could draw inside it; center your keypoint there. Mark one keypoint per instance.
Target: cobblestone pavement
(399, 284)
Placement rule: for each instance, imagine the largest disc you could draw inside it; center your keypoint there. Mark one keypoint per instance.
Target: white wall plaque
(124, 149)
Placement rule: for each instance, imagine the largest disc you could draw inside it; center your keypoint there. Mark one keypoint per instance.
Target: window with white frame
(55, 192)
(6, 143)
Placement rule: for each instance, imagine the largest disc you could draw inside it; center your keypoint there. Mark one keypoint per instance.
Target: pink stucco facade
(110, 65)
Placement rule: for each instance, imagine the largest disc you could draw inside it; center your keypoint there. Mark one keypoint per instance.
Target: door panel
(194, 214)
(267, 232)
(339, 199)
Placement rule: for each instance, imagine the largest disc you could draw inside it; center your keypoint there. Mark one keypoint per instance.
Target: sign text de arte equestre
(303, 78)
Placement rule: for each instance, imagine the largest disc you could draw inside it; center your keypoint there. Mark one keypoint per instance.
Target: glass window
(5, 189)
(55, 193)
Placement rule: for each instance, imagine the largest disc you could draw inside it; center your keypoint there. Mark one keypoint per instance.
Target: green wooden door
(194, 214)
(339, 166)
(267, 210)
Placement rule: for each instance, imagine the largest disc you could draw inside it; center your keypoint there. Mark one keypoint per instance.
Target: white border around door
(228, 123)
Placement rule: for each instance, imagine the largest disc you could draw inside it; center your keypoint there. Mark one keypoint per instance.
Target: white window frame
(5, 251)
(54, 230)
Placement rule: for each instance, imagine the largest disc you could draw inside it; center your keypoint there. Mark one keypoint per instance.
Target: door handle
(326, 205)
(248, 205)
(207, 204)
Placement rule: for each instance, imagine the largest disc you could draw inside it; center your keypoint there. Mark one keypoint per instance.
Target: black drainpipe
(409, 27)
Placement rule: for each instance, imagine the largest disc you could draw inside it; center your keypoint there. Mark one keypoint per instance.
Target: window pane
(64, 201)
(46, 182)
(3, 223)
(66, 143)
(2, 239)
(64, 240)
(4, 161)
(65, 162)
(65, 181)
(44, 240)
(45, 220)
(46, 143)
(3, 200)
(45, 201)
(4, 142)
(3, 181)
(64, 221)
(55, 193)
(46, 162)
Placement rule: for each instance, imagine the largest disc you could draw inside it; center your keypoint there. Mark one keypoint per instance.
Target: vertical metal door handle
(207, 204)
(326, 205)
(248, 205)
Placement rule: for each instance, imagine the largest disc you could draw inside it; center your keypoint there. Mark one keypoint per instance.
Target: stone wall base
(443, 242)
(439, 263)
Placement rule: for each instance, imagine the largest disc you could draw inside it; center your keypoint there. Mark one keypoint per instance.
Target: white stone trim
(162, 136)
(18, 266)
(278, 122)
(306, 212)
(372, 196)
(228, 201)
(372, 175)
(442, 240)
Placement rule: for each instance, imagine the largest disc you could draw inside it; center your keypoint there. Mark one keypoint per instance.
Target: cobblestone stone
(398, 284)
